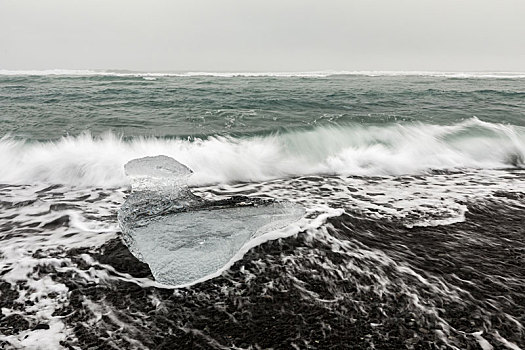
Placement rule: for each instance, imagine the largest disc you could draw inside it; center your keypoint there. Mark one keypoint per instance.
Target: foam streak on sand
(369, 254)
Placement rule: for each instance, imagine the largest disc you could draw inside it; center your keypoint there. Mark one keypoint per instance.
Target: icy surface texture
(185, 247)
(182, 237)
(153, 172)
(159, 187)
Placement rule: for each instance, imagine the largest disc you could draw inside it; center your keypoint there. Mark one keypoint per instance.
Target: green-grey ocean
(47, 107)
(262, 126)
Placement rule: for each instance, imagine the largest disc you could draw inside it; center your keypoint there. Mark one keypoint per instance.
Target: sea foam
(395, 149)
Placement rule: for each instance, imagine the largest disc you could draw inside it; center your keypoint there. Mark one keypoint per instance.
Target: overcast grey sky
(263, 35)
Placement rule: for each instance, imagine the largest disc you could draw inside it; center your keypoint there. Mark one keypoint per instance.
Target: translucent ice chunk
(187, 246)
(158, 172)
(182, 237)
(158, 166)
(159, 186)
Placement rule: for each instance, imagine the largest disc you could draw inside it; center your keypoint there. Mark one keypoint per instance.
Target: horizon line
(262, 73)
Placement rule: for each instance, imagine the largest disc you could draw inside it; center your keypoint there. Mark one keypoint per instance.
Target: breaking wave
(397, 149)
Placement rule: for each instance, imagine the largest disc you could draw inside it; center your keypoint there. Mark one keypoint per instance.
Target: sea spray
(413, 148)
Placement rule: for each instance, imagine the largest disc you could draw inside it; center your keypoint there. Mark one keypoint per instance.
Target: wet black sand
(347, 288)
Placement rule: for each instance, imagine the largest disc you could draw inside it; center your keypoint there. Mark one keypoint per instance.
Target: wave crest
(397, 149)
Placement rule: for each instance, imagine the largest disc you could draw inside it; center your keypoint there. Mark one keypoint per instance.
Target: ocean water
(286, 210)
